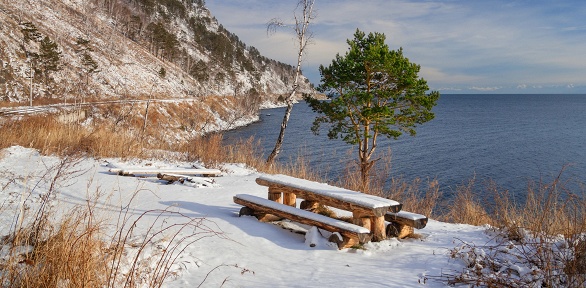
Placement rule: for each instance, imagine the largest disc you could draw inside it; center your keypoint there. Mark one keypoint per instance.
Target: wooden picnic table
(367, 210)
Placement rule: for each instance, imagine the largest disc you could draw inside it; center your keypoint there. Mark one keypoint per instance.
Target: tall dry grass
(211, 150)
(417, 195)
(50, 136)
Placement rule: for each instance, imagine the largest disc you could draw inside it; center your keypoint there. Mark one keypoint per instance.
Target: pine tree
(374, 92)
(49, 57)
(89, 65)
(30, 32)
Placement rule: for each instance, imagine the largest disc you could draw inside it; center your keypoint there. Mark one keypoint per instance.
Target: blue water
(510, 139)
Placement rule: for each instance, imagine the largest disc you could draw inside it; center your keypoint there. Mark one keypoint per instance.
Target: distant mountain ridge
(119, 48)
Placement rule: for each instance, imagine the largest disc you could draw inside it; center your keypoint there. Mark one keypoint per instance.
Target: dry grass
(466, 207)
(69, 254)
(545, 232)
(50, 136)
(48, 248)
(211, 150)
(119, 130)
(416, 196)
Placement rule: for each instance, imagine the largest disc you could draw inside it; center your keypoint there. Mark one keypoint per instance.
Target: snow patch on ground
(242, 252)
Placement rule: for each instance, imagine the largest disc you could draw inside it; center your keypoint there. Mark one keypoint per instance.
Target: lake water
(506, 138)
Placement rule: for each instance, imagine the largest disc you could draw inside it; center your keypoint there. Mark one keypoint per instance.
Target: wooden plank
(337, 197)
(333, 202)
(155, 171)
(262, 205)
(414, 220)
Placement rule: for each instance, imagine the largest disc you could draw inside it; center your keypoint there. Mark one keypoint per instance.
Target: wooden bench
(155, 171)
(367, 210)
(402, 223)
(351, 234)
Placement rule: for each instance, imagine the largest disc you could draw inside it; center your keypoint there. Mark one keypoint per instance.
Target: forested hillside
(127, 48)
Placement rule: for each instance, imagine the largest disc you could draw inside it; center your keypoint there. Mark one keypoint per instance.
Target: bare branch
(273, 25)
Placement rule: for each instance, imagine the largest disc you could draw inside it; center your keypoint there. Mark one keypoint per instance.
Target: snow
(324, 189)
(243, 252)
(408, 215)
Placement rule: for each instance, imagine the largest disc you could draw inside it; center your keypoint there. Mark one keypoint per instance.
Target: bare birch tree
(303, 36)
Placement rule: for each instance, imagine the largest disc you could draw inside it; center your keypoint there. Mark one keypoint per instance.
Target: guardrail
(25, 110)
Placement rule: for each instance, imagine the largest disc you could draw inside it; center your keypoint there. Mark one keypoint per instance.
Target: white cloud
(457, 43)
(485, 89)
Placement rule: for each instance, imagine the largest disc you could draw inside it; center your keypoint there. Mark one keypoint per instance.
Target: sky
(481, 46)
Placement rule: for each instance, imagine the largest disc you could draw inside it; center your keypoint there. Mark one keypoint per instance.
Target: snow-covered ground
(244, 252)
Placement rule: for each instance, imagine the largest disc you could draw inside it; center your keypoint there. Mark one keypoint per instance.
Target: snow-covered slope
(132, 56)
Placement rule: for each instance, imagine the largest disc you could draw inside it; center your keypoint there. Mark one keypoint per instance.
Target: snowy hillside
(129, 48)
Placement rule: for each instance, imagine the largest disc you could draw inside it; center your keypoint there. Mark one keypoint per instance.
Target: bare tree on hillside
(303, 36)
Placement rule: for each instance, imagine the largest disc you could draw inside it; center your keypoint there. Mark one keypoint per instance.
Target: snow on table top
(302, 213)
(408, 215)
(330, 191)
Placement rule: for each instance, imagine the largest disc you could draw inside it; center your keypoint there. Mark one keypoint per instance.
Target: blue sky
(463, 46)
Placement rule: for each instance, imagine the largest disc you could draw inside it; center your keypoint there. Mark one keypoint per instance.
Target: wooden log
(266, 217)
(328, 201)
(398, 230)
(262, 217)
(290, 199)
(170, 178)
(337, 197)
(308, 205)
(378, 228)
(414, 220)
(275, 196)
(344, 242)
(361, 219)
(155, 171)
(351, 233)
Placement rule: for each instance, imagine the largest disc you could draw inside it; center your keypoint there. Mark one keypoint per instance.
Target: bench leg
(398, 230)
(378, 228)
(290, 199)
(361, 220)
(345, 242)
(275, 195)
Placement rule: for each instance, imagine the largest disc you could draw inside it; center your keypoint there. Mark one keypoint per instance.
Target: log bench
(402, 223)
(367, 210)
(155, 171)
(257, 206)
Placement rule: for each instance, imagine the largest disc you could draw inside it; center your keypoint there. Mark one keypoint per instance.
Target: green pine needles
(374, 91)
